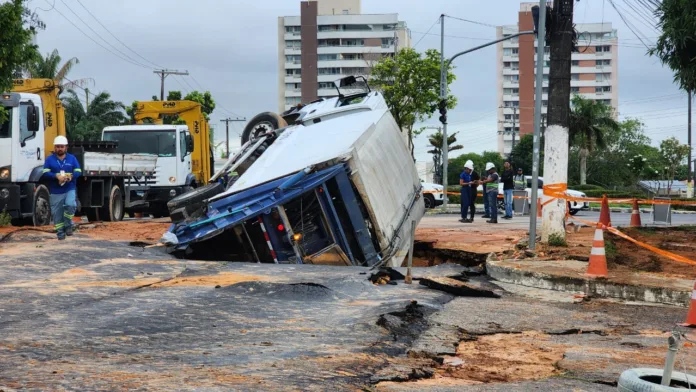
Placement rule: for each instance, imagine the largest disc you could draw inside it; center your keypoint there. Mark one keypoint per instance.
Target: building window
(324, 85)
(603, 48)
(574, 76)
(351, 56)
(345, 12)
(293, 86)
(329, 71)
(353, 71)
(387, 41)
(509, 116)
(353, 42)
(292, 29)
(511, 104)
(329, 42)
(574, 63)
(507, 51)
(327, 57)
(544, 103)
(546, 77)
(515, 65)
(512, 78)
(602, 77)
(293, 44)
(603, 89)
(575, 90)
(292, 100)
(511, 91)
(293, 59)
(515, 51)
(325, 28)
(602, 63)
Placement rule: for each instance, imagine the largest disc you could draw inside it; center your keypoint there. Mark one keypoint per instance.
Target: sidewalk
(455, 209)
(569, 276)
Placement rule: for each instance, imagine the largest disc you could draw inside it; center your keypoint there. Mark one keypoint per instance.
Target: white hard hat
(60, 141)
(469, 165)
(490, 166)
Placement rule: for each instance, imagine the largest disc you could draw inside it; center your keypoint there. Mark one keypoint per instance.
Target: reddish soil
(623, 255)
(147, 230)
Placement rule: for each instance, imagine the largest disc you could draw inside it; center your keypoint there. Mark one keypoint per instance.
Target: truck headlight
(172, 180)
(5, 173)
(4, 193)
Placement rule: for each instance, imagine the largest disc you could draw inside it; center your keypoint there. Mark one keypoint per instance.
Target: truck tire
(113, 210)
(262, 123)
(648, 380)
(188, 204)
(42, 207)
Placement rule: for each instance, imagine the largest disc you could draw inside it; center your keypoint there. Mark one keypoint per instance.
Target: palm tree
(87, 123)
(50, 67)
(436, 142)
(589, 120)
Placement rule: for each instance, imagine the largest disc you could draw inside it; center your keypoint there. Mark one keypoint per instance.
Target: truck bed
(114, 164)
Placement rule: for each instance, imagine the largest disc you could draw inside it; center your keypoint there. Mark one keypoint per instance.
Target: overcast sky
(230, 48)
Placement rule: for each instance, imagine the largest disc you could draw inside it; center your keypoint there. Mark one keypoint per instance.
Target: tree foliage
(87, 123)
(410, 83)
(676, 45)
(456, 165)
(18, 25)
(435, 141)
(50, 67)
(589, 121)
(673, 153)
(523, 155)
(205, 99)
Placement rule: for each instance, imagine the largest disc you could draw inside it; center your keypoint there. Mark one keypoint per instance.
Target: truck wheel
(429, 201)
(187, 204)
(262, 123)
(42, 207)
(113, 210)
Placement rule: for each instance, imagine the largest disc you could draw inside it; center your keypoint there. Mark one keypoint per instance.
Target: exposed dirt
(222, 279)
(506, 358)
(147, 230)
(625, 256)
(466, 247)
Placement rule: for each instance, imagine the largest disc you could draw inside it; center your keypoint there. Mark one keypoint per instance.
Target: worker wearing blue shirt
(62, 169)
(465, 182)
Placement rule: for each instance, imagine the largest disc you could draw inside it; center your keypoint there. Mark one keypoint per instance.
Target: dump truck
(36, 117)
(338, 187)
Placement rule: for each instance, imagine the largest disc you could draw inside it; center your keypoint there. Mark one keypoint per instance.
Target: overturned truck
(337, 186)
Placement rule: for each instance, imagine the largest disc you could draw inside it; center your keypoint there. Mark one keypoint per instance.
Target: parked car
(433, 194)
(573, 206)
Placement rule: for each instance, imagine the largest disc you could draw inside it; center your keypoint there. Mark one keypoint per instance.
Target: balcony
(292, 79)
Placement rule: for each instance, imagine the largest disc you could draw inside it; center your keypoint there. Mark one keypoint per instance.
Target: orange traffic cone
(604, 217)
(635, 215)
(691, 316)
(539, 207)
(598, 258)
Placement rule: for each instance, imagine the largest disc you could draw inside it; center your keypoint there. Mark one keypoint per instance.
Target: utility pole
(163, 73)
(690, 180)
(87, 102)
(541, 44)
(443, 97)
(556, 146)
(514, 124)
(227, 131)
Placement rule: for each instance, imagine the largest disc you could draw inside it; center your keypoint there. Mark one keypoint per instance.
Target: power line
(130, 59)
(472, 21)
(431, 27)
(628, 24)
(116, 38)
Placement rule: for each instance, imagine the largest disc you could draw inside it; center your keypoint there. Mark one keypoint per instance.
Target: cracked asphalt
(89, 314)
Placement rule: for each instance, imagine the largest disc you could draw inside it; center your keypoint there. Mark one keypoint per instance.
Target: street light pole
(541, 45)
(443, 96)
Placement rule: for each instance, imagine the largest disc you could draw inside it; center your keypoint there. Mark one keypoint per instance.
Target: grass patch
(5, 218)
(557, 240)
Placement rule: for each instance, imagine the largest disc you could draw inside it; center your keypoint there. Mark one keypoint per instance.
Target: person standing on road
(62, 169)
(491, 191)
(475, 181)
(465, 192)
(520, 183)
(486, 206)
(508, 187)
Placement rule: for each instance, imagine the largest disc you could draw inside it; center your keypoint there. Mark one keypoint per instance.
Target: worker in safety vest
(520, 183)
(62, 169)
(491, 191)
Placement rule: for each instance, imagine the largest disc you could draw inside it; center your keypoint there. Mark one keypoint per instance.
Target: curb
(510, 271)
(643, 210)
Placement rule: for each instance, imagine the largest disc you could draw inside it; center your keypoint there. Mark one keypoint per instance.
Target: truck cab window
(24, 133)
(6, 127)
(182, 145)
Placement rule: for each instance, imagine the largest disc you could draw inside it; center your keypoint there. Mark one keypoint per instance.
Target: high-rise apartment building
(594, 74)
(329, 40)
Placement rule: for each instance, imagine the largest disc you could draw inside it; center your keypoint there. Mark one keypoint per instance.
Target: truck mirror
(32, 118)
(189, 144)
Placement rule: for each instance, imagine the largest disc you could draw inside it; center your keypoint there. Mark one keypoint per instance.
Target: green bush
(586, 187)
(5, 218)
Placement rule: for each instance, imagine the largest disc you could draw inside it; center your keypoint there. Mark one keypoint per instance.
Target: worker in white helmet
(491, 191)
(62, 169)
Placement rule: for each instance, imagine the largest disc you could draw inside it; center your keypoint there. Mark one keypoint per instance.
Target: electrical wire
(471, 21)
(116, 38)
(92, 39)
(431, 27)
(628, 24)
(102, 38)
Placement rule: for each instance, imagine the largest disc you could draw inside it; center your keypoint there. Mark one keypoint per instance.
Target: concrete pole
(690, 180)
(541, 43)
(558, 120)
(443, 95)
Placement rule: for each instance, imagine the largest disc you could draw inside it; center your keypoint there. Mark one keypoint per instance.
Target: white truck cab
(173, 146)
(21, 137)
